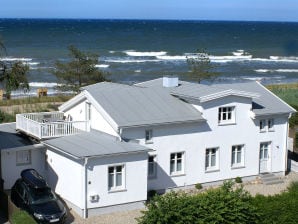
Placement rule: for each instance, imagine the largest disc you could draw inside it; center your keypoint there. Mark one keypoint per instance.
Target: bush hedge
(222, 205)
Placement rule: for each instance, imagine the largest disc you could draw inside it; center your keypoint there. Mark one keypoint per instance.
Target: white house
(119, 141)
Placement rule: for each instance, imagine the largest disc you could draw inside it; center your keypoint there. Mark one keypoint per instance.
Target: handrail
(50, 126)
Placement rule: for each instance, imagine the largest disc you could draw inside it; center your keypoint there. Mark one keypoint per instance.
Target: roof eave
(162, 123)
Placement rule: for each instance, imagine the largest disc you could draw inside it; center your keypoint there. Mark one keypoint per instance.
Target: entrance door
(265, 157)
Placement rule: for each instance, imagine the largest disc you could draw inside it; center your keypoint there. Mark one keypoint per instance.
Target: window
(23, 157)
(211, 162)
(271, 124)
(237, 155)
(226, 115)
(176, 163)
(88, 111)
(262, 125)
(148, 136)
(116, 177)
(152, 166)
(264, 150)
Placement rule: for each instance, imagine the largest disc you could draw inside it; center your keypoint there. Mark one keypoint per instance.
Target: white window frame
(265, 146)
(175, 171)
(88, 111)
(152, 163)
(226, 115)
(208, 159)
(148, 136)
(23, 157)
(262, 125)
(114, 186)
(270, 123)
(234, 154)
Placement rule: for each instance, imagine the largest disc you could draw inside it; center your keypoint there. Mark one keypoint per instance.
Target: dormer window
(148, 136)
(271, 124)
(262, 125)
(226, 115)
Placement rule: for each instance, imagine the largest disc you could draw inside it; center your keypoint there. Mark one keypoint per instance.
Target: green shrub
(281, 208)
(151, 193)
(198, 186)
(5, 117)
(22, 217)
(221, 205)
(238, 180)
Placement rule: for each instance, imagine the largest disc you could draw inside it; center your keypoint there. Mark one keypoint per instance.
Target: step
(271, 182)
(270, 178)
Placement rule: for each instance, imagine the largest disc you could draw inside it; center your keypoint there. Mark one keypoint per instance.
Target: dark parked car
(32, 194)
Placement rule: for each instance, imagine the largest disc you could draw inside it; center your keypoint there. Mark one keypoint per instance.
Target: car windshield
(41, 195)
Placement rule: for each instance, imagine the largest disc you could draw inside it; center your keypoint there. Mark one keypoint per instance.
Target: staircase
(270, 178)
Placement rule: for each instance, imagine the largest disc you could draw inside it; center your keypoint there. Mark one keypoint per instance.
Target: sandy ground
(254, 187)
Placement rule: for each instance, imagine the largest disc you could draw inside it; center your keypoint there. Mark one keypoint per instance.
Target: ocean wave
(172, 58)
(228, 58)
(215, 59)
(102, 66)
(145, 54)
(276, 70)
(122, 61)
(43, 84)
(238, 52)
(32, 63)
(15, 59)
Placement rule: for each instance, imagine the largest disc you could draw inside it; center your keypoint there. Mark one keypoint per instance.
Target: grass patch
(287, 92)
(22, 217)
(34, 100)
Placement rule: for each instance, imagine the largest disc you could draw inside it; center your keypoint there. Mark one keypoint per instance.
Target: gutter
(85, 188)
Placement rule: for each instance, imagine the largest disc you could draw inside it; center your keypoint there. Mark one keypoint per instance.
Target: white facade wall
(193, 139)
(65, 176)
(11, 171)
(79, 113)
(135, 176)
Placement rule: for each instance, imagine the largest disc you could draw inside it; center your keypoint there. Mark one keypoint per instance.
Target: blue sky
(253, 10)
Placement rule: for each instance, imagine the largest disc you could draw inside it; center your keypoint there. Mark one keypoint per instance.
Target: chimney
(170, 81)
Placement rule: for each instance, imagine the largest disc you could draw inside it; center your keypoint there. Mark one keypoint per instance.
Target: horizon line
(139, 19)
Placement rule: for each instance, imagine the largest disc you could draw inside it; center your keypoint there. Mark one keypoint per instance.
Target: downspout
(286, 151)
(120, 133)
(85, 190)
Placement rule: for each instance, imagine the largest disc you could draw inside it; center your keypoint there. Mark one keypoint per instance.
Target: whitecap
(145, 54)
(43, 84)
(101, 66)
(175, 57)
(130, 61)
(15, 59)
(277, 70)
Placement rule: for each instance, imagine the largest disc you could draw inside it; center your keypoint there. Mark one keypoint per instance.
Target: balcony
(47, 125)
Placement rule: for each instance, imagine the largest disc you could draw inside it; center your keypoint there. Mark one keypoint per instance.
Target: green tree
(200, 67)
(13, 76)
(78, 72)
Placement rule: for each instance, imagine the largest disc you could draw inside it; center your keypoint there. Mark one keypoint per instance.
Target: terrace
(47, 125)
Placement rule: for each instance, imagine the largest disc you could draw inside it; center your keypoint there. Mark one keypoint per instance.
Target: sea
(138, 50)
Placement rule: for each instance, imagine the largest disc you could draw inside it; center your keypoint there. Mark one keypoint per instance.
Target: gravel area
(254, 187)
(259, 188)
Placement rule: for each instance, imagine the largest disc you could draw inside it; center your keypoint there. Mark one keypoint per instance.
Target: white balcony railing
(49, 125)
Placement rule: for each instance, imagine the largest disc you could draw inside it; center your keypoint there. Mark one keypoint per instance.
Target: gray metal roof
(266, 104)
(138, 106)
(93, 144)
(10, 139)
